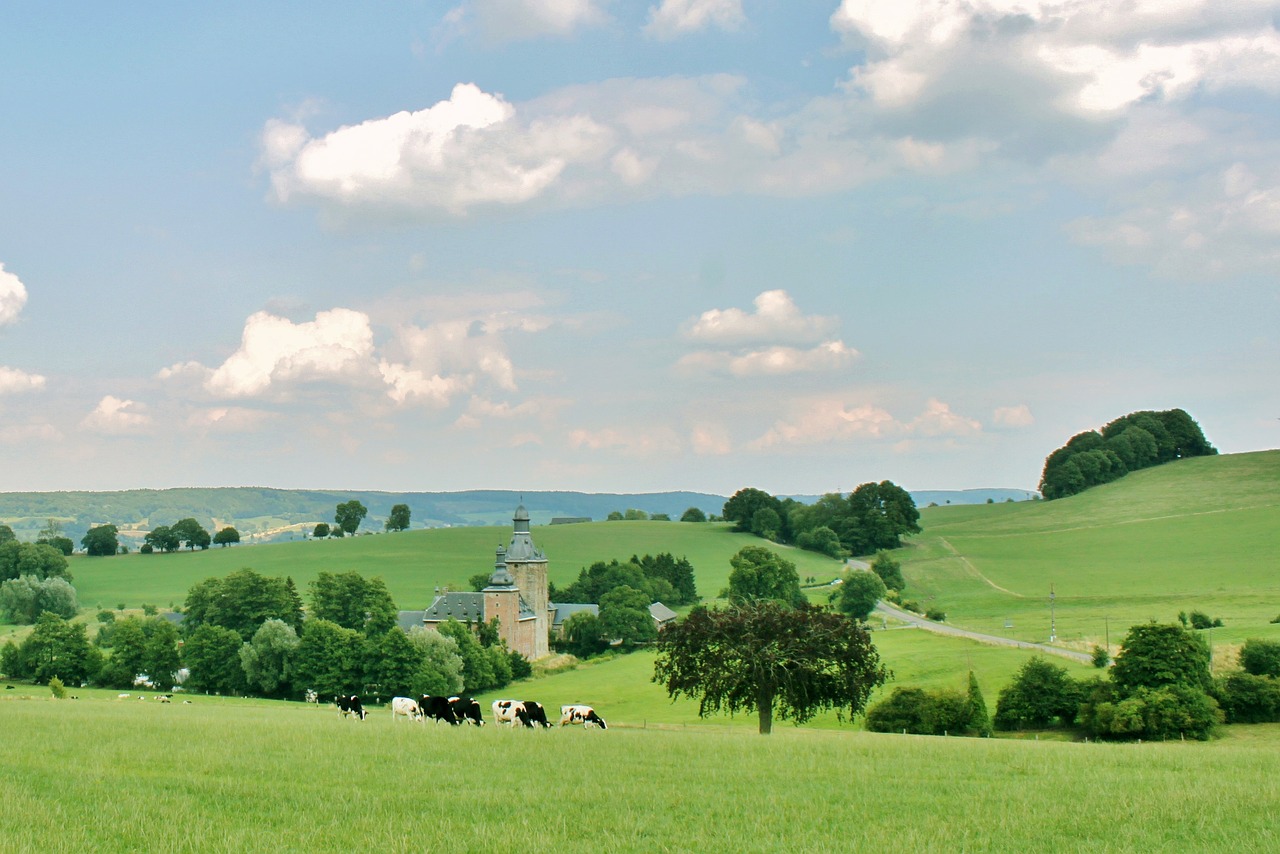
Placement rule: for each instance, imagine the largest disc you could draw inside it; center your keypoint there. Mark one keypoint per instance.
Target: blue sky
(607, 246)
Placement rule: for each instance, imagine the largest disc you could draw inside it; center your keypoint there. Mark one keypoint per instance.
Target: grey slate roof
(661, 613)
(408, 619)
(565, 610)
(463, 607)
(522, 548)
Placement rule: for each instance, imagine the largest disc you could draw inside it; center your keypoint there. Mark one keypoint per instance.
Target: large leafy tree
(349, 515)
(191, 534)
(624, 616)
(39, 560)
(859, 594)
(441, 670)
(399, 518)
(58, 648)
(353, 602)
(329, 659)
(760, 573)
(881, 514)
(1040, 695)
(227, 536)
(25, 598)
(212, 654)
(163, 538)
(742, 506)
(268, 659)
(1154, 655)
(101, 541)
(771, 658)
(242, 601)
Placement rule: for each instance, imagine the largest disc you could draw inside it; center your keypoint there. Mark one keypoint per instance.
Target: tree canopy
(398, 520)
(349, 515)
(242, 601)
(353, 602)
(771, 658)
(101, 541)
(874, 516)
(763, 574)
(859, 594)
(1129, 443)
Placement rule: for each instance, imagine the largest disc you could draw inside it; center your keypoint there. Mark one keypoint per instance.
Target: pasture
(238, 775)
(1200, 534)
(415, 563)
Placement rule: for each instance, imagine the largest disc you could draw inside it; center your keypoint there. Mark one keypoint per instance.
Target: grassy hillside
(1200, 534)
(414, 563)
(108, 775)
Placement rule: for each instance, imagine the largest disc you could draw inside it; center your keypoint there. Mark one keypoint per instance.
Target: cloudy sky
(629, 246)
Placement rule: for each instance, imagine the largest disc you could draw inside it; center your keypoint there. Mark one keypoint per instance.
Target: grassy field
(1200, 534)
(414, 563)
(236, 776)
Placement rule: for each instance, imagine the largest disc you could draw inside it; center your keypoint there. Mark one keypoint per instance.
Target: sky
(629, 246)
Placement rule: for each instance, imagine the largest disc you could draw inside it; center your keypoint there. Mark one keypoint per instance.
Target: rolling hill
(1199, 534)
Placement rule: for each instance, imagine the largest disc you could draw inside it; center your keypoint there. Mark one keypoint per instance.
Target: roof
(174, 617)
(463, 607)
(408, 619)
(522, 549)
(661, 612)
(565, 610)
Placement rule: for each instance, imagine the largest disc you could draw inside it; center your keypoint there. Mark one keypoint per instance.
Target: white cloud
(114, 415)
(710, 440)
(338, 344)
(13, 296)
(14, 381)
(676, 18)
(13, 434)
(631, 441)
(520, 20)
(831, 420)
(770, 361)
(470, 150)
(776, 318)
(1013, 416)
(228, 419)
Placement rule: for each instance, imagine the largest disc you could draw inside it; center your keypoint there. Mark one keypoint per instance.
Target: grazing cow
(535, 715)
(438, 709)
(466, 710)
(186, 702)
(350, 706)
(166, 698)
(584, 715)
(122, 696)
(508, 712)
(311, 696)
(406, 707)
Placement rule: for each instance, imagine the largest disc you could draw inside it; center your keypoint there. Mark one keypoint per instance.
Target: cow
(405, 706)
(311, 696)
(509, 712)
(166, 698)
(350, 706)
(438, 709)
(535, 715)
(466, 710)
(584, 715)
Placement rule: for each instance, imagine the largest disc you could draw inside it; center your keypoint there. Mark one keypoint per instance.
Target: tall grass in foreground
(109, 775)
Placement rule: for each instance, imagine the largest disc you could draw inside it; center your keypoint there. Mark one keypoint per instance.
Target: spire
(501, 577)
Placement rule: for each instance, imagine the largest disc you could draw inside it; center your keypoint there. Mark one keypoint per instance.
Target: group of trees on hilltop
(33, 579)
(246, 634)
(874, 516)
(1135, 441)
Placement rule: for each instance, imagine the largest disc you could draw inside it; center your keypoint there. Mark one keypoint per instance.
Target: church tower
(528, 567)
(502, 600)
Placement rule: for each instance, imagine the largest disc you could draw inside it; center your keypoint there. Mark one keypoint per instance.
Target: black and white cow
(438, 709)
(535, 714)
(510, 712)
(350, 706)
(406, 707)
(466, 710)
(584, 715)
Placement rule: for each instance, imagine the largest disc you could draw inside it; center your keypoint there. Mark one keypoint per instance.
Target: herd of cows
(465, 710)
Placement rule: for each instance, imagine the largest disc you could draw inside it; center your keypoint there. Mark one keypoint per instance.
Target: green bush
(936, 614)
(1101, 658)
(1261, 657)
(914, 710)
(1041, 695)
(1247, 698)
(56, 688)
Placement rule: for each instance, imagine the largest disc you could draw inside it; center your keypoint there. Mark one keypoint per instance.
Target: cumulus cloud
(115, 415)
(13, 381)
(1013, 416)
(13, 296)
(676, 18)
(338, 344)
(760, 343)
(832, 420)
(710, 440)
(519, 20)
(630, 441)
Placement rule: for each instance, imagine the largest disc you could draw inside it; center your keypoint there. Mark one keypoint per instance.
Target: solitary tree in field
(349, 515)
(101, 541)
(771, 658)
(860, 593)
(399, 518)
(226, 537)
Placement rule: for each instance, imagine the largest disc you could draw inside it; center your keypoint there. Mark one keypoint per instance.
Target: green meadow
(100, 774)
(415, 563)
(1200, 534)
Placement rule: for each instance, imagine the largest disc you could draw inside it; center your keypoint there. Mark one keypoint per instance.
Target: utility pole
(1053, 624)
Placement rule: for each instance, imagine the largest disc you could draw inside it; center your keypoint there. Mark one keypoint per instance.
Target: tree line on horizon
(1129, 443)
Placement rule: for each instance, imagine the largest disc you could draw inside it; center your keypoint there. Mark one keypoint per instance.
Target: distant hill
(942, 497)
(267, 514)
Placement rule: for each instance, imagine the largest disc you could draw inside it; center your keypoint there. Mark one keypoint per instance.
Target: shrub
(1101, 658)
(889, 570)
(1041, 695)
(149, 610)
(1201, 620)
(1261, 657)
(936, 614)
(147, 549)
(1246, 698)
(56, 688)
(914, 710)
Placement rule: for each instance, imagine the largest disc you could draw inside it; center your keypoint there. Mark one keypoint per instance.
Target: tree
(212, 654)
(394, 664)
(51, 535)
(227, 536)
(58, 648)
(101, 541)
(128, 651)
(7, 535)
(1040, 695)
(191, 534)
(349, 515)
(880, 515)
(979, 719)
(268, 658)
(759, 573)
(583, 635)
(1261, 657)
(742, 506)
(353, 602)
(766, 523)
(693, 514)
(889, 570)
(859, 594)
(771, 658)
(160, 658)
(321, 531)
(624, 616)
(242, 601)
(478, 674)
(25, 598)
(399, 518)
(329, 659)
(441, 671)
(35, 559)
(822, 540)
(1154, 655)
(163, 538)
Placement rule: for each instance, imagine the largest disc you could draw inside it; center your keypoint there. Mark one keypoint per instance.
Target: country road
(943, 629)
